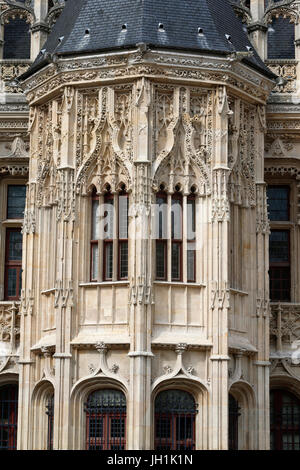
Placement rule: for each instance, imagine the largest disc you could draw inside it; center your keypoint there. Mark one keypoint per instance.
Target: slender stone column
(219, 275)
(141, 283)
(257, 29)
(39, 30)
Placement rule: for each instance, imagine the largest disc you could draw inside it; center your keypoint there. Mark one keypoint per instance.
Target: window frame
(116, 243)
(11, 264)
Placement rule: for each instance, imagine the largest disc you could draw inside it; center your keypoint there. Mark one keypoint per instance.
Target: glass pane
(279, 246)
(117, 427)
(108, 219)
(95, 220)
(12, 282)
(123, 217)
(16, 198)
(191, 262)
(280, 284)
(184, 427)
(176, 219)
(108, 260)
(161, 217)
(123, 260)
(191, 219)
(176, 261)
(278, 202)
(163, 428)
(95, 260)
(161, 260)
(15, 246)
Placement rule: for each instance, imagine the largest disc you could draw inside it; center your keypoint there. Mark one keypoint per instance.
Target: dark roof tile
(181, 20)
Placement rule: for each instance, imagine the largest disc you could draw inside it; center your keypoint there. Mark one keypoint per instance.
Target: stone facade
(146, 122)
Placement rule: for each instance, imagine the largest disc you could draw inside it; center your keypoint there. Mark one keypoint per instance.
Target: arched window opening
(281, 39)
(16, 39)
(285, 420)
(109, 236)
(106, 420)
(8, 417)
(179, 213)
(50, 414)
(233, 431)
(175, 413)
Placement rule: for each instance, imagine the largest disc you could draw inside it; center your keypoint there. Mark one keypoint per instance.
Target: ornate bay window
(109, 236)
(175, 236)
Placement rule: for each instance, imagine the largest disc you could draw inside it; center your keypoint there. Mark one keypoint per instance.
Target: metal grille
(175, 412)
(233, 431)
(285, 421)
(106, 420)
(50, 414)
(8, 417)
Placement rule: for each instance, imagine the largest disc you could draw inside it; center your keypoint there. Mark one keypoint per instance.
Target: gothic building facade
(149, 224)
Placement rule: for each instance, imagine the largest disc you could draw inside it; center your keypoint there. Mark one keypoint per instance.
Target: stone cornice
(176, 67)
(253, 27)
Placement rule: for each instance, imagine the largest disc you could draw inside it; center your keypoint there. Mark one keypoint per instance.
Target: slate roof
(90, 26)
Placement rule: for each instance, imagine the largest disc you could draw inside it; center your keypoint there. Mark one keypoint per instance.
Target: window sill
(12, 222)
(181, 284)
(103, 284)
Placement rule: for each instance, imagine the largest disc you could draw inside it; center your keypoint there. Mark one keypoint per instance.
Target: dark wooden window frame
(173, 414)
(100, 414)
(94, 243)
(162, 241)
(109, 242)
(192, 197)
(278, 428)
(174, 241)
(283, 186)
(11, 264)
(276, 266)
(9, 423)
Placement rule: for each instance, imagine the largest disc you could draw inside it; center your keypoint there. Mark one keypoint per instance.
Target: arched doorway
(233, 428)
(175, 413)
(8, 417)
(285, 420)
(106, 420)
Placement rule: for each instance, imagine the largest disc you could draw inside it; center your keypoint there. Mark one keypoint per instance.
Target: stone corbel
(48, 371)
(180, 371)
(223, 105)
(102, 368)
(68, 98)
(237, 373)
(27, 302)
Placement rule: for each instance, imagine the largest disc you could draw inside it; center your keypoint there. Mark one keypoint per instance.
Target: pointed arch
(245, 397)
(41, 415)
(79, 396)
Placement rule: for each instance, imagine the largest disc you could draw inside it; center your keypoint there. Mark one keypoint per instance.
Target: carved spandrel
(9, 323)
